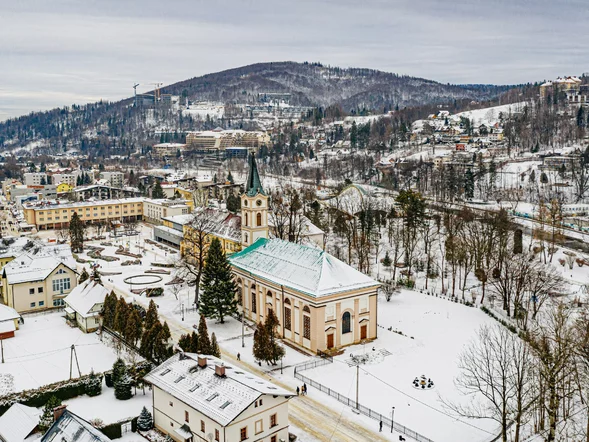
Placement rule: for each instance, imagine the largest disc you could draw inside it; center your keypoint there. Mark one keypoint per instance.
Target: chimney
(202, 361)
(220, 370)
(58, 411)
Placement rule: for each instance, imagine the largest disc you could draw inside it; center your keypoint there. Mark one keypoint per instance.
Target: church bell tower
(254, 208)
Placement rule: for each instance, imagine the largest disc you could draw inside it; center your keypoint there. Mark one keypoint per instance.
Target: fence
(386, 421)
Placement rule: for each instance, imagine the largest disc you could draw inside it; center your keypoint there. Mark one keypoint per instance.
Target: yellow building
(64, 188)
(52, 215)
(39, 281)
(223, 225)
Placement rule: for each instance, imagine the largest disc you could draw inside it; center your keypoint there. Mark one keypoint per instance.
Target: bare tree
(497, 367)
(194, 247)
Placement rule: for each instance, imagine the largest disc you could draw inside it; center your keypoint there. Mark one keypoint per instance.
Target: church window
(259, 219)
(346, 323)
(287, 319)
(254, 299)
(307, 327)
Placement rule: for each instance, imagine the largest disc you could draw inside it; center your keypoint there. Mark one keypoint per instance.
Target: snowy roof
(8, 313)
(85, 296)
(18, 422)
(38, 264)
(179, 219)
(302, 268)
(72, 428)
(220, 398)
(11, 246)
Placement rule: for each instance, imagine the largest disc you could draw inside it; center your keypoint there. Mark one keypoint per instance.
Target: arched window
(306, 309)
(245, 219)
(346, 323)
(254, 299)
(259, 219)
(287, 315)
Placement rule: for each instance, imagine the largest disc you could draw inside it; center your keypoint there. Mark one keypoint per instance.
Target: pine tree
(193, 343)
(162, 349)
(121, 380)
(148, 341)
(233, 203)
(230, 177)
(96, 275)
(218, 296)
(157, 191)
(145, 420)
(204, 343)
(274, 351)
(121, 316)
(76, 231)
(83, 276)
(151, 316)
(46, 419)
(118, 370)
(215, 350)
(260, 349)
(93, 385)
(184, 342)
(133, 327)
(354, 135)
(387, 261)
(108, 309)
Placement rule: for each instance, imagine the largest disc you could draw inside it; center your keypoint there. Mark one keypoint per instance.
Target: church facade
(321, 302)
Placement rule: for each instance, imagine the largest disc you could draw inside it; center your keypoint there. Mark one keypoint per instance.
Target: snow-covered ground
(434, 333)
(39, 354)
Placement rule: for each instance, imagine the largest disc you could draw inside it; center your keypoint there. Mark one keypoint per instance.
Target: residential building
(69, 427)
(201, 398)
(35, 178)
(39, 279)
(64, 188)
(84, 304)
(18, 422)
(168, 150)
(154, 210)
(65, 178)
(116, 179)
(47, 215)
(171, 232)
(216, 140)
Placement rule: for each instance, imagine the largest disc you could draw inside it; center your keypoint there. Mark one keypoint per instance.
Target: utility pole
(135, 90)
(242, 329)
(2, 345)
(73, 355)
(357, 386)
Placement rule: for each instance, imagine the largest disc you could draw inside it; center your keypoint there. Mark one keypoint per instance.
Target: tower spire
(253, 185)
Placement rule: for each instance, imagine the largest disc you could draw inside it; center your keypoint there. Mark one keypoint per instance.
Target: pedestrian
(238, 357)
(305, 387)
(380, 427)
(297, 391)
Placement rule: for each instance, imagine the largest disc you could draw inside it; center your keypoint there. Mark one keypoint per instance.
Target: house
(39, 279)
(201, 398)
(321, 303)
(69, 427)
(9, 321)
(18, 423)
(84, 304)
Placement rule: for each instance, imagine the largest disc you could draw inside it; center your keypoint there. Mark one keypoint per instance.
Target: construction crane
(135, 91)
(156, 91)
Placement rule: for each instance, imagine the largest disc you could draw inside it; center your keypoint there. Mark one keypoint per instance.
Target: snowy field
(39, 354)
(434, 333)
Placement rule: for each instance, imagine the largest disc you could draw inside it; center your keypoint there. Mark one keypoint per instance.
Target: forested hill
(103, 126)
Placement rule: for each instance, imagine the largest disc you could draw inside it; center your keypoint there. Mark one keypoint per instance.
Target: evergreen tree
(148, 340)
(121, 316)
(162, 347)
(230, 177)
(108, 309)
(133, 327)
(145, 420)
(83, 276)
(46, 419)
(274, 351)
(233, 203)
(93, 385)
(76, 231)
(387, 261)
(204, 343)
(96, 275)
(469, 184)
(260, 348)
(151, 316)
(184, 342)
(157, 191)
(311, 154)
(119, 369)
(354, 135)
(124, 388)
(218, 296)
(215, 350)
(193, 343)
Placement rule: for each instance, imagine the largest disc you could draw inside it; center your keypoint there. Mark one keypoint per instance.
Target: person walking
(297, 391)
(305, 386)
(380, 427)
(238, 357)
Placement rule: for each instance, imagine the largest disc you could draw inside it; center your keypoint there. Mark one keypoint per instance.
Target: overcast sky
(57, 52)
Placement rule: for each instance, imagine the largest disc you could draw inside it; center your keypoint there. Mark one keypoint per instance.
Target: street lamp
(392, 419)
(182, 309)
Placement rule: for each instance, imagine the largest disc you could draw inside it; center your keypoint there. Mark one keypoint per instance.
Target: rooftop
(72, 428)
(18, 422)
(220, 398)
(85, 296)
(38, 264)
(306, 269)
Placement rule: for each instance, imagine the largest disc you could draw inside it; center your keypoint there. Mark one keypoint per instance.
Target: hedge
(112, 431)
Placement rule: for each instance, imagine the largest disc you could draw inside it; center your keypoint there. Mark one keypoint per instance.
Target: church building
(321, 302)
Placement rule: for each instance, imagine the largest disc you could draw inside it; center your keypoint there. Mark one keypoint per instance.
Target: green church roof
(253, 186)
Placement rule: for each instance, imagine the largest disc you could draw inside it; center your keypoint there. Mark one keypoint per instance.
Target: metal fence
(386, 420)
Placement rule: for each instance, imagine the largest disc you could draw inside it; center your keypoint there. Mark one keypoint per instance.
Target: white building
(154, 210)
(116, 179)
(67, 178)
(84, 304)
(199, 398)
(35, 178)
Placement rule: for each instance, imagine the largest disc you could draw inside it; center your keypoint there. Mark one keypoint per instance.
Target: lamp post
(182, 309)
(392, 419)
(242, 329)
